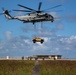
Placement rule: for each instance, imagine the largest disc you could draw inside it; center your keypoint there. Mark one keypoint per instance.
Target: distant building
(34, 57)
(44, 57)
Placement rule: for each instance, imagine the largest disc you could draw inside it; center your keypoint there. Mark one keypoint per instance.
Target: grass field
(63, 67)
(16, 67)
(25, 67)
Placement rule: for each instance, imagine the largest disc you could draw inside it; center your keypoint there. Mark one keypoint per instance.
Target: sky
(59, 36)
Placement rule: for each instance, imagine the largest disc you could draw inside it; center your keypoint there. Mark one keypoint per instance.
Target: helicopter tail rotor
(6, 14)
(5, 11)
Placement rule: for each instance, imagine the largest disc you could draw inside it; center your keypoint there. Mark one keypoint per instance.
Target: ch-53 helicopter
(32, 15)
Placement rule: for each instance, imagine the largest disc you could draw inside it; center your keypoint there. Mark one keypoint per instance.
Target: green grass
(25, 67)
(16, 67)
(57, 67)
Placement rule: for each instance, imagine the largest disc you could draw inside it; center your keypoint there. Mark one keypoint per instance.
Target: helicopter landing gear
(33, 23)
(52, 20)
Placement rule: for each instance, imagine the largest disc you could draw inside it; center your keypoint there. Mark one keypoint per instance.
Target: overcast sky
(59, 36)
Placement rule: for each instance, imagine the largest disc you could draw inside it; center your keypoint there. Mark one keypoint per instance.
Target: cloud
(71, 18)
(56, 16)
(47, 33)
(1, 45)
(28, 28)
(70, 15)
(59, 26)
(8, 35)
(52, 45)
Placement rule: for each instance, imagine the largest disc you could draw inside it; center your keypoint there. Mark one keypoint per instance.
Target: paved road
(36, 68)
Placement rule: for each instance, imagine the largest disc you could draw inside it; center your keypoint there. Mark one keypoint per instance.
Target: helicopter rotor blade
(39, 6)
(3, 9)
(52, 7)
(26, 7)
(23, 10)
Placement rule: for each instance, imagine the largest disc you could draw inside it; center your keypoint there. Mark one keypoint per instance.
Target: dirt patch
(36, 68)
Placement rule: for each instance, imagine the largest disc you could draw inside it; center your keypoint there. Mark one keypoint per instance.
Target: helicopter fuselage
(35, 18)
(32, 15)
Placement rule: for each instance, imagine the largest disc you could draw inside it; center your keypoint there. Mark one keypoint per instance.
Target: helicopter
(32, 16)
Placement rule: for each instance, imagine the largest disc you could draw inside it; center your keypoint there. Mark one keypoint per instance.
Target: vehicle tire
(42, 41)
(34, 41)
